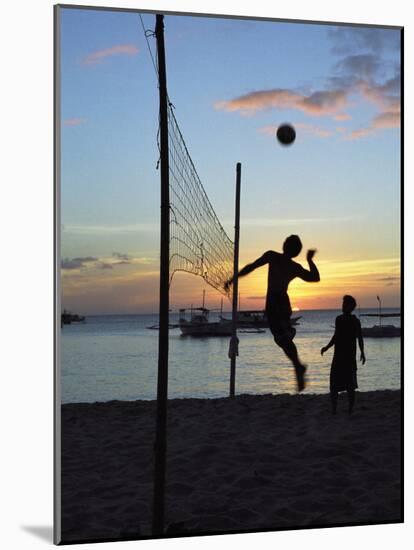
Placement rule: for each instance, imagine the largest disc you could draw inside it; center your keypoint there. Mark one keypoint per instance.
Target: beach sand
(254, 462)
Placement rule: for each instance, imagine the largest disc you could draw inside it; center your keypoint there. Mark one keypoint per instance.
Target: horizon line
(229, 311)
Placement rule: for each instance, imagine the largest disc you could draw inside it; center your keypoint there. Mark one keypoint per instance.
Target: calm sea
(115, 357)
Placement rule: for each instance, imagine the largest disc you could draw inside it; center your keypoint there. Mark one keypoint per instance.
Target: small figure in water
(344, 366)
(282, 270)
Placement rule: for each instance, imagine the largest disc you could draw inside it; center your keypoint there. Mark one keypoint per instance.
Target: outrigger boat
(381, 331)
(256, 319)
(199, 324)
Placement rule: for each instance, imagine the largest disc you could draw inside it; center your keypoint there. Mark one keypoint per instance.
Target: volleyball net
(198, 242)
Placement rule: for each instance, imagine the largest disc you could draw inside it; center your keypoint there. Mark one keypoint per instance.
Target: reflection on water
(115, 357)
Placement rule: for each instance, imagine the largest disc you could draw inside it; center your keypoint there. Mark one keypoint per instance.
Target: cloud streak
(120, 256)
(318, 103)
(73, 121)
(93, 263)
(150, 227)
(77, 263)
(276, 221)
(384, 96)
(99, 55)
(347, 40)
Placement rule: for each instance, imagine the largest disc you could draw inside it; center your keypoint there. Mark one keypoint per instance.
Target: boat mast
(379, 309)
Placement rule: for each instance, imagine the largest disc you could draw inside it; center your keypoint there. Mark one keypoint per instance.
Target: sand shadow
(44, 532)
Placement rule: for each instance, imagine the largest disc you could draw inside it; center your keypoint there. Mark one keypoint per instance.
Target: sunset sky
(232, 82)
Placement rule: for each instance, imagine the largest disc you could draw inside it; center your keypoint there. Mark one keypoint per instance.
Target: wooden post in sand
(233, 352)
(160, 447)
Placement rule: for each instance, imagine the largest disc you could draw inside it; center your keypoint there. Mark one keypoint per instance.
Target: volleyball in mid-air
(286, 134)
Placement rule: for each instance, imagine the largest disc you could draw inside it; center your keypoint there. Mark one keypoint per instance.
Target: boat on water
(199, 324)
(68, 318)
(381, 331)
(256, 319)
(195, 321)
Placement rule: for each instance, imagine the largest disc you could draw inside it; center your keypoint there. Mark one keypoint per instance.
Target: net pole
(234, 341)
(160, 447)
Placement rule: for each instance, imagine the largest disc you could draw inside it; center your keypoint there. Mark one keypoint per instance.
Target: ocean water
(115, 357)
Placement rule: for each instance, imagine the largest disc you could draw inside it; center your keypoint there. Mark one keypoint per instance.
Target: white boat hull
(205, 329)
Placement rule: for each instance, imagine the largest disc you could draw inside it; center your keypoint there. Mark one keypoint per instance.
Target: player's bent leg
(291, 352)
(283, 334)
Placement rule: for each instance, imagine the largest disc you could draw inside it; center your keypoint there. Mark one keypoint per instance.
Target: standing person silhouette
(282, 270)
(344, 366)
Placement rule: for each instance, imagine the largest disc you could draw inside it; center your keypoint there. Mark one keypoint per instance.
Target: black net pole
(234, 340)
(162, 385)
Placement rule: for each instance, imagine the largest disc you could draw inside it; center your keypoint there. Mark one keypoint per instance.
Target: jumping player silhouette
(282, 270)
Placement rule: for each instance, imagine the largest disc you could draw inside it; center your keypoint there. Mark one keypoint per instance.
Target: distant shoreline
(228, 311)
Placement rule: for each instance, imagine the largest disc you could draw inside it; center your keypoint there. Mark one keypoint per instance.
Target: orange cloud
(121, 49)
(360, 133)
(385, 96)
(387, 120)
(318, 103)
(342, 116)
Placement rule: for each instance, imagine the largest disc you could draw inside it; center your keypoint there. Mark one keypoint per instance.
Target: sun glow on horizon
(134, 288)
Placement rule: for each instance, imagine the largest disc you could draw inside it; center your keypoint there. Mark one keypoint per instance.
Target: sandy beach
(255, 462)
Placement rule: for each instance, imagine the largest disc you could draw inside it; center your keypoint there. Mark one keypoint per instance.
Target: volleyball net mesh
(198, 242)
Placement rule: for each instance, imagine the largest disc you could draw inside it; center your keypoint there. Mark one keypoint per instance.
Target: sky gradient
(232, 82)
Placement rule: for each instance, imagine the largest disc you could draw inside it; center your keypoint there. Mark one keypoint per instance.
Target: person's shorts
(278, 312)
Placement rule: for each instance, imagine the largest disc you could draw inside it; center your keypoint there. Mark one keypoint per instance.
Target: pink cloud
(73, 121)
(318, 103)
(121, 49)
(324, 103)
(387, 120)
(342, 116)
(358, 134)
(385, 96)
(258, 101)
(332, 102)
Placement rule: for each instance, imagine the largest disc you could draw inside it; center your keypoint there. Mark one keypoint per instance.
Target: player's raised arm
(311, 275)
(263, 260)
